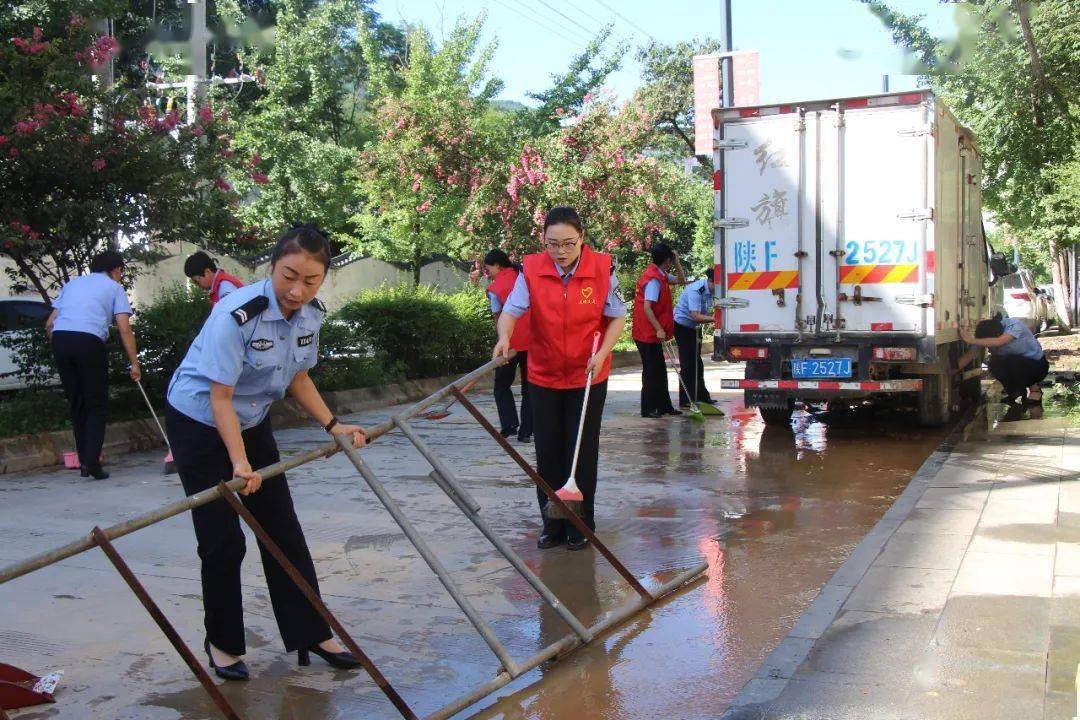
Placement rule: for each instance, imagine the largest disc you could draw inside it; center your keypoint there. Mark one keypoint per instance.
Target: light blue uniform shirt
(518, 301)
(696, 297)
(1025, 344)
(652, 288)
(89, 303)
(258, 358)
(224, 288)
(496, 306)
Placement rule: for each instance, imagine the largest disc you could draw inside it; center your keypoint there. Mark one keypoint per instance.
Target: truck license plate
(821, 368)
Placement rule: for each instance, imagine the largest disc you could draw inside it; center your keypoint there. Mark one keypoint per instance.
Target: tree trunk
(1060, 269)
(29, 274)
(416, 268)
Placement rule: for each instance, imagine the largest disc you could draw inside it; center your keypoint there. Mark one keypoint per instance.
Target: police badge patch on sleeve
(262, 344)
(305, 340)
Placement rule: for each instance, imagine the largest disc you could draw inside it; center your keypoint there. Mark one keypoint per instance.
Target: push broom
(170, 464)
(672, 357)
(570, 493)
(704, 407)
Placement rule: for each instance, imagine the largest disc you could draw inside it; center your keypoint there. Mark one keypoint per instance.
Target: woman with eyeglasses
(570, 292)
(79, 328)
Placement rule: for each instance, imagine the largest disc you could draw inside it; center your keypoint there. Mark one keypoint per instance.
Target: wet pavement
(962, 602)
(776, 512)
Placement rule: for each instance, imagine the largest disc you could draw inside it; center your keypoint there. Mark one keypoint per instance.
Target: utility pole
(884, 83)
(194, 84)
(727, 96)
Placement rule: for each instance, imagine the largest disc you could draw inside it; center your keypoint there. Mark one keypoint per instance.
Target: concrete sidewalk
(962, 602)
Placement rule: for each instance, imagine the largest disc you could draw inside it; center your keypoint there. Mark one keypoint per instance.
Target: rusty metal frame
(444, 478)
(162, 622)
(313, 597)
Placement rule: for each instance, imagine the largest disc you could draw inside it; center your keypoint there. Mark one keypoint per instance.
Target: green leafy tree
(307, 124)
(1013, 75)
(84, 166)
(599, 164)
(667, 90)
(431, 149)
(572, 90)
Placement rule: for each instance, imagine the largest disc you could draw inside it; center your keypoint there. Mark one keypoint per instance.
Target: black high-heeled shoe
(342, 660)
(237, 671)
(98, 473)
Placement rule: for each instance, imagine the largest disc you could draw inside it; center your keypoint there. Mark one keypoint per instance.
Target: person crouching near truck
(654, 323)
(201, 269)
(258, 343)
(502, 274)
(571, 292)
(693, 310)
(1017, 360)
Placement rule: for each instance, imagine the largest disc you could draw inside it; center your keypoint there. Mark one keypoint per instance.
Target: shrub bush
(432, 334)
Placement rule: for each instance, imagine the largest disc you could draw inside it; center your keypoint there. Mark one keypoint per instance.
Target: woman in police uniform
(258, 343)
(570, 292)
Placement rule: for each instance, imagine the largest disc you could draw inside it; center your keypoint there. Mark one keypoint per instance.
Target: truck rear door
(766, 272)
(874, 217)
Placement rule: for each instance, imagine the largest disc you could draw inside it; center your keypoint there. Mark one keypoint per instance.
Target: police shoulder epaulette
(250, 309)
(317, 304)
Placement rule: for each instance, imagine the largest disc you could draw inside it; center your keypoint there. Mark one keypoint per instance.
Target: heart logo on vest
(587, 296)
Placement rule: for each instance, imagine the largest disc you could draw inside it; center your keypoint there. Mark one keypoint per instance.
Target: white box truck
(849, 251)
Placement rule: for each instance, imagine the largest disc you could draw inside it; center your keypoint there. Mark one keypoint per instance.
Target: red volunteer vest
(643, 330)
(219, 276)
(501, 286)
(564, 318)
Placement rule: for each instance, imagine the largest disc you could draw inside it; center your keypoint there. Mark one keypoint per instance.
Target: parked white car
(18, 314)
(1025, 301)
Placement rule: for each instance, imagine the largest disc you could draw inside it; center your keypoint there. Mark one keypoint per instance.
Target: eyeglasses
(563, 245)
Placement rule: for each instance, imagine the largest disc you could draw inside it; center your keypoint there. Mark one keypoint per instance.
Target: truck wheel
(776, 416)
(935, 400)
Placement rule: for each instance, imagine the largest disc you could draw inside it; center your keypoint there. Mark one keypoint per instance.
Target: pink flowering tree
(84, 167)
(432, 147)
(598, 163)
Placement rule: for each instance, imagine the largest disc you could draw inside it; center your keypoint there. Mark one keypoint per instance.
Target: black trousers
(555, 425)
(504, 396)
(202, 461)
(1016, 373)
(84, 373)
(690, 365)
(654, 389)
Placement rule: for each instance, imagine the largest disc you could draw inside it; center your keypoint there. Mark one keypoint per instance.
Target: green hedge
(431, 334)
(378, 338)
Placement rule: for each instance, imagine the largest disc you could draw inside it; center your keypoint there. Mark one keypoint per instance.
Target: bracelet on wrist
(330, 425)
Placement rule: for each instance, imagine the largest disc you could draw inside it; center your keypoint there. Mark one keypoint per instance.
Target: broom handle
(153, 414)
(584, 407)
(672, 355)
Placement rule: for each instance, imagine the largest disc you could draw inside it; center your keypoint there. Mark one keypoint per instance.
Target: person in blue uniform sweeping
(78, 329)
(258, 344)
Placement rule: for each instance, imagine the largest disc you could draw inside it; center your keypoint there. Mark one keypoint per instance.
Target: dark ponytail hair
(495, 256)
(303, 237)
(563, 215)
(106, 262)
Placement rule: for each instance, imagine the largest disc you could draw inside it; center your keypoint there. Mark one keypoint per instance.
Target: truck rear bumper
(825, 386)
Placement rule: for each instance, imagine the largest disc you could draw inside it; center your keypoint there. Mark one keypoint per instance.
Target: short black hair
(106, 261)
(495, 256)
(989, 328)
(661, 252)
(198, 263)
(303, 237)
(710, 273)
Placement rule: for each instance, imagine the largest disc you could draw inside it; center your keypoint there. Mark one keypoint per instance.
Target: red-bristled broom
(570, 493)
(170, 464)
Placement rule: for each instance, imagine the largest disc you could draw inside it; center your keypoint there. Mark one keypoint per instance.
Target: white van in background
(1025, 301)
(18, 314)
